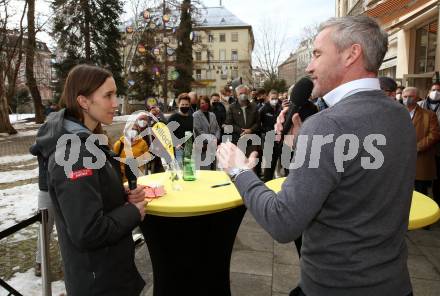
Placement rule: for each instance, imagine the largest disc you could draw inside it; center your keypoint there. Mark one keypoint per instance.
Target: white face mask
(142, 123)
(408, 101)
(131, 134)
(274, 102)
(434, 95)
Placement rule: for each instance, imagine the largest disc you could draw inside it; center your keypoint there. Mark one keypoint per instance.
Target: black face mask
(215, 103)
(184, 110)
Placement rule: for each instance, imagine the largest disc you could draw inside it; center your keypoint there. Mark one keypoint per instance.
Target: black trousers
(298, 292)
(276, 154)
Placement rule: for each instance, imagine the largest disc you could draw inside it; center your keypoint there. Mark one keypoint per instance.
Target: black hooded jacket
(93, 220)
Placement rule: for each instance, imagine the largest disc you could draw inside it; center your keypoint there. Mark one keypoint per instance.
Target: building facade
(222, 51)
(413, 56)
(42, 68)
(288, 69)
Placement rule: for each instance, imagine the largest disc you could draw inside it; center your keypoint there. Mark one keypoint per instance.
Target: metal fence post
(44, 241)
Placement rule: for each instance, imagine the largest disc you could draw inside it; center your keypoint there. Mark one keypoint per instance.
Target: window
(222, 56)
(234, 55)
(234, 37)
(234, 74)
(224, 74)
(426, 41)
(198, 56)
(198, 74)
(198, 38)
(222, 37)
(210, 55)
(210, 38)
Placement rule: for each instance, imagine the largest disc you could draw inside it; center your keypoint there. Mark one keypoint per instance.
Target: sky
(291, 16)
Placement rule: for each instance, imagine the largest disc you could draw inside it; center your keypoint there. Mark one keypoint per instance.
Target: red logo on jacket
(80, 173)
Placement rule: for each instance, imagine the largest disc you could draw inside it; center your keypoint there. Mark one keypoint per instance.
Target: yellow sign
(161, 132)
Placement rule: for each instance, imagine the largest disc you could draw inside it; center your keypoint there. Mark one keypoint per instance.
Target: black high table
(190, 234)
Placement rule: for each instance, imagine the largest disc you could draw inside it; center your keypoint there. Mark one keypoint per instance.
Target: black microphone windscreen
(301, 91)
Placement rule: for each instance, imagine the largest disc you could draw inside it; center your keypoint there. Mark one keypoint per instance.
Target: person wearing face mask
(427, 136)
(205, 123)
(185, 120)
(268, 114)
(219, 109)
(432, 102)
(261, 98)
(244, 117)
(131, 140)
(194, 100)
(142, 123)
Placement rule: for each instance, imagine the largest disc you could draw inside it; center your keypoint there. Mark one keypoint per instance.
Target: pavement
(261, 266)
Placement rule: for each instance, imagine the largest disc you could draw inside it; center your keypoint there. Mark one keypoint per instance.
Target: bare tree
(11, 52)
(30, 54)
(270, 46)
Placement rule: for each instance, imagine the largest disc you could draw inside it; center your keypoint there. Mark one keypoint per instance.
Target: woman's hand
(136, 195)
(141, 208)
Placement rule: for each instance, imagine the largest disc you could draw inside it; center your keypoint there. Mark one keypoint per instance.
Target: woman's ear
(83, 102)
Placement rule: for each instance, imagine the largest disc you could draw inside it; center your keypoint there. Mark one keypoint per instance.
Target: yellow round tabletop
(424, 211)
(195, 197)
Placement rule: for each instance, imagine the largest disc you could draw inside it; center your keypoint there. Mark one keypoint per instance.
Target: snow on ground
(11, 159)
(121, 118)
(28, 284)
(17, 204)
(19, 117)
(24, 134)
(12, 176)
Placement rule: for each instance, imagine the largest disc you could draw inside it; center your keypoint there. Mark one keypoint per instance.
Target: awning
(420, 75)
(388, 10)
(392, 62)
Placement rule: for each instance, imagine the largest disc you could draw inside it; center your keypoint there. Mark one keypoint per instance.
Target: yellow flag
(162, 133)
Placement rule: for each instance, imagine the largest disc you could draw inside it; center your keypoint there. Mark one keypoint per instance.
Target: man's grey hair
(241, 86)
(411, 89)
(361, 30)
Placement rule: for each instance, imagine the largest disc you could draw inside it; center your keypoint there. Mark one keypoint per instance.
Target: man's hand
(229, 157)
(294, 130)
(141, 208)
(245, 131)
(137, 195)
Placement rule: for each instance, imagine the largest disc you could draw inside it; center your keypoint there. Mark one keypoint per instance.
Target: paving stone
(249, 284)
(285, 277)
(285, 254)
(249, 224)
(279, 294)
(413, 249)
(252, 262)
(253, 241)
(420, 268)
(423, 287)
(433, 256)
(425, 238)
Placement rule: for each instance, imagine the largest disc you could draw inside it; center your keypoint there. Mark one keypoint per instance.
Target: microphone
(131, 177)
(299, 97)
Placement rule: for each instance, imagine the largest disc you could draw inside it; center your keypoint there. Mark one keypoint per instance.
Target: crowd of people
(352, 221)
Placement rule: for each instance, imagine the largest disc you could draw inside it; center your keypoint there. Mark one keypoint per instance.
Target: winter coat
(93, 219)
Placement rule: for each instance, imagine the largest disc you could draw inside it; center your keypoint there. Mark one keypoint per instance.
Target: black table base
(191, 255)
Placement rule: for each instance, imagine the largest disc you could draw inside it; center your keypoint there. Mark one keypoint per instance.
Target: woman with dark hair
(94, 214)
(205, 124)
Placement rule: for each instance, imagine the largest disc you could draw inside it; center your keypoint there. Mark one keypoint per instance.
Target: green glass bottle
(189, 168)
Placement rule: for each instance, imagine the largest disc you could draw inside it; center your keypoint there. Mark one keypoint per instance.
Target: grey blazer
(202, 126)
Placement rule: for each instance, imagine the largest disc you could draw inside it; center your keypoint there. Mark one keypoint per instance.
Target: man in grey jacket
(349, 191)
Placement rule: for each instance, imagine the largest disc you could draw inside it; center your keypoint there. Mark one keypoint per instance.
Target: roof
(219, 17)
(290, 59)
